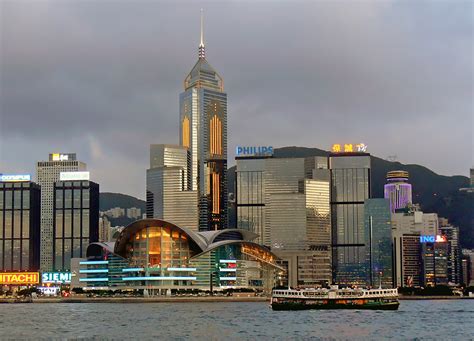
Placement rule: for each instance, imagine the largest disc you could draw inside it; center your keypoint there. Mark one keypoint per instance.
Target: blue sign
(15, 177)
(56, 277)
(254, 151)
(427, 239)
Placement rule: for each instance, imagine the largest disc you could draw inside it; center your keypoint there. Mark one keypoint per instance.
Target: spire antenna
(202, 50)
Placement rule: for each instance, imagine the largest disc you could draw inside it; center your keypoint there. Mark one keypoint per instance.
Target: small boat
(335, 298)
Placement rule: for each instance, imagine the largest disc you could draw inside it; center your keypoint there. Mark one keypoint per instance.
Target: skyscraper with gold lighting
(203, 130)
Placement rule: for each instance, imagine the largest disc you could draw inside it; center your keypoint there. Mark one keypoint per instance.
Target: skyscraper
(168, 186)
(286, 202)
(203, 130)
(350, 187)
(378, 243)
(76, 218)
(398, 190)
(48, 173)
(19, 223)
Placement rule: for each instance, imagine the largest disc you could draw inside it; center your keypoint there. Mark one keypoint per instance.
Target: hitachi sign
(254, 151)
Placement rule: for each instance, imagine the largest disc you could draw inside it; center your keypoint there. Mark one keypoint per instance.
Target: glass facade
(434, 258)
(19, 226)
(203, 130)
(350, 187)
(158, 254)
(76, 221)
(378, 243)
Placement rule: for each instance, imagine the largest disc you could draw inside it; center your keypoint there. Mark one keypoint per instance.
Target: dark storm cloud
(102, 78)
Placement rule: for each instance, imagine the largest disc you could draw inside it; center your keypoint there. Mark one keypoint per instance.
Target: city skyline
(109, 111)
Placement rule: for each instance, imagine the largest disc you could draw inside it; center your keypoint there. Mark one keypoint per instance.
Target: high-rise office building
(203, 130)
(168, 187)
(19, 223)
(454, 250)
(398, 190)
(76, 219)
(350, 187)
(472, 177)
(286, 202)
(47, 174)
(378, 243)
(105, 229)
(434, 259)
(407, 228)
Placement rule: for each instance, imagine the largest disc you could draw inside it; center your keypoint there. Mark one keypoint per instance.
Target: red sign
(19, 278)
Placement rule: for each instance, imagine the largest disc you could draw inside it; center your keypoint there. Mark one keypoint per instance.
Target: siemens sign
(253, 151)
(56, 277)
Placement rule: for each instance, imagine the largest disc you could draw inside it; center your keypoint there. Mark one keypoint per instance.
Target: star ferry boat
(335, 298)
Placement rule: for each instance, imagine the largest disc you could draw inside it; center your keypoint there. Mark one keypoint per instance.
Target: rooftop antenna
(202, 49)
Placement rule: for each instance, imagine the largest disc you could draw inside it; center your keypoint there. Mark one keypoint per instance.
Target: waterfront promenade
(174, 299)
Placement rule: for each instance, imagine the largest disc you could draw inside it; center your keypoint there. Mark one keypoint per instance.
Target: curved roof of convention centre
(199, 242)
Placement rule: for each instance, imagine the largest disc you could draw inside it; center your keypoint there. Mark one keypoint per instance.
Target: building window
(215, 136)
(186, 142)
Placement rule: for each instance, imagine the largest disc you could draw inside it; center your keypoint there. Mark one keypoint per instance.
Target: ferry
(334, 298)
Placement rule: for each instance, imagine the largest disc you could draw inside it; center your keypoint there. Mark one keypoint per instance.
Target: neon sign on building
(349, 148)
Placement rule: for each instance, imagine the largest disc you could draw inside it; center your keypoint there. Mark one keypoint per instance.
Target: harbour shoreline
(185, 299)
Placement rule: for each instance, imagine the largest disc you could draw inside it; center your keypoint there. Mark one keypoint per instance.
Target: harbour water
(424, 319)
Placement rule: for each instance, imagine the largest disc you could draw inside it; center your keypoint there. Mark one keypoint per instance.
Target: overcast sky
(102, 79)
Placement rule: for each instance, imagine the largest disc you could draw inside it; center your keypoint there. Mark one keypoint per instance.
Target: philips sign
(15, 177)
(253, 151)
(56, 277)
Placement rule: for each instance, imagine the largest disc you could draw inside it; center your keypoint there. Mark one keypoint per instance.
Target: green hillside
(111, 200)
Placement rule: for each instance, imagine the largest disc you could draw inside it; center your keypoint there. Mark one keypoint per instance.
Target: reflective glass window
(8, 224)
(8, 255)
(59, 199)
(67, 223)
(8, 199)
(25, 258)
(16, 255)
(85, 199)
(26, 199)
(68, 198)
(59, 224)
(77, 223)
(25, 232)
(85, 223)
(17, 199)
(16, 224)
(58, 262)
(76, 248)
(77, 198)
(67, 254)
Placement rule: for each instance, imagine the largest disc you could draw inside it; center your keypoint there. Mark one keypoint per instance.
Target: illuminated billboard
(56, 277)
(433, 239)
(15, 177)
(59, 157)
(74, 176)
(349, 148)
(19, 278)
(253, 151)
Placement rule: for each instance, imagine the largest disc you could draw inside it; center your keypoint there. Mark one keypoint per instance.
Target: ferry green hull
(333, 305)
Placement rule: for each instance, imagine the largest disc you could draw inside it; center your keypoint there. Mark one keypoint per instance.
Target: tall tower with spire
(203, 130)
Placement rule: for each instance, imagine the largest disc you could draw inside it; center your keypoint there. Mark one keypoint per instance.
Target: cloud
(102, 79)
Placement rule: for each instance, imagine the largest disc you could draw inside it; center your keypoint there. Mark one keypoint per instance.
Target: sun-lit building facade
(155, 254)
(203, 131)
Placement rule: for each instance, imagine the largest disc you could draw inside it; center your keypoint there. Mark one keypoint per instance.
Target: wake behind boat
(335, 298)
